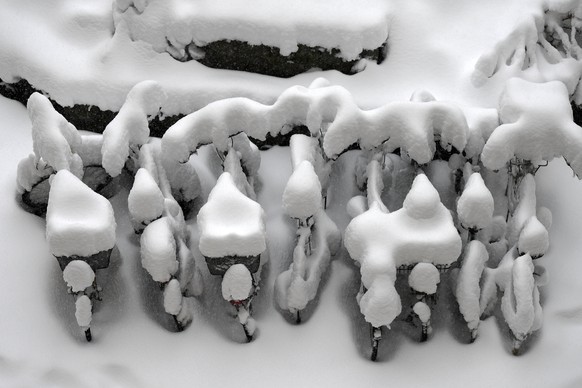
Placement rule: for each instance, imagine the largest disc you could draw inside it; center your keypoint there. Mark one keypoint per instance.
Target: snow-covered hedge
(181, 29)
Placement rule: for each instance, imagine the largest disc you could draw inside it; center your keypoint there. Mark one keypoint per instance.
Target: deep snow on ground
(66, 46)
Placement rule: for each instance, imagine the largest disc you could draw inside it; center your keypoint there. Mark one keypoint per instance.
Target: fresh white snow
(543, 111)
(302, 195)
(237, 283)
(54, 139)
(130, 340)
(179, 23)
(475, 206)
(158, 250)
(78, 275)
(130, 126)
(145, 200)
(67, 47)
(424, 278)
(83, 312)
(468, 290)
(78, 220)
(230, 223)
(173, 297)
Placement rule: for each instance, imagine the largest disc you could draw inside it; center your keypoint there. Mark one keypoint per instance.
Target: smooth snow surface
(230, 223)
(78, 220)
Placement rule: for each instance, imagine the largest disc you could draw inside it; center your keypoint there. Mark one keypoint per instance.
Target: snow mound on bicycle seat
(534, 238)
(230, 223)
(302, 195)
(475, 206)
(422, 201)
(78, 220)
(145, 200)
(237, 283)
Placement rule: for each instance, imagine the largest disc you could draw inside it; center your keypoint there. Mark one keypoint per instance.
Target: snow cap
(422, 199)
(475, 206)
(79, 221)
(302, 195)
(533, 238)
(230, 223)
(145, 200)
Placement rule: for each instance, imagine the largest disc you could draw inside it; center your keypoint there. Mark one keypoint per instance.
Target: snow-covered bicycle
(232, 230)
